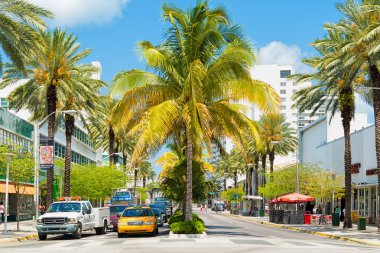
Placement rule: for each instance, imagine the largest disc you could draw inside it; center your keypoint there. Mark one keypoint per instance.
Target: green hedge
(179, 216)
(187, 227)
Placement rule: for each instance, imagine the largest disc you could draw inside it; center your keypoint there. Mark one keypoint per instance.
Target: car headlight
(39, 222)
(148, 223)
(72, 221)
(123, 223)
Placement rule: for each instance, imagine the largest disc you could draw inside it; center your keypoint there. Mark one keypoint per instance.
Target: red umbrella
(294, 198)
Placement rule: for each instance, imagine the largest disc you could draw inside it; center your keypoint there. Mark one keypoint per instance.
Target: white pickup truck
(73, 217)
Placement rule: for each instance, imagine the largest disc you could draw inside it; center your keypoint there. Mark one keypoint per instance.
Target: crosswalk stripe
(93, 243)
(59, 245)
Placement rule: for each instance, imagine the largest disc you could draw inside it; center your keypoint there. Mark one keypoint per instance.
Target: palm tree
(361, 26)
(201, 66)
(19, 20)
(274, 128)
(335, 90)
(146, 171)
(53, 75)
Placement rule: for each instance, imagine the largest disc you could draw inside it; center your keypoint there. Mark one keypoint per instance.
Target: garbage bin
(361, 223)
(335, 220)
(354, 216)
(307, 218)
(262, 212)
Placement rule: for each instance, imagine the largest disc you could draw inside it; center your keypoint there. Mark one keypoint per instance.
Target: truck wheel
(102, 230)
(42, 237)
(78, 233)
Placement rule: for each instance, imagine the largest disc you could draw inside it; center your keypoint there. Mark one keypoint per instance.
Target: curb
(19, 239)
(187, 236)
(320, 234)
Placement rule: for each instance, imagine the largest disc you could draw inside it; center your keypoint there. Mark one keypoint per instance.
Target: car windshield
(64, 207)
(156, 211)
(117, 209)
(122, 194)
(137, 212)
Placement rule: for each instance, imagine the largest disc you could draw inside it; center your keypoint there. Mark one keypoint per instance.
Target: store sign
(47, 153)
(372, 172)
(355, 168)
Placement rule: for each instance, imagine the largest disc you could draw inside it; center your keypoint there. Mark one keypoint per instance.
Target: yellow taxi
(136, 220)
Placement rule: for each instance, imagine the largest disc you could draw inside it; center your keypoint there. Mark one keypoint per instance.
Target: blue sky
(112, 27)
(280, 30)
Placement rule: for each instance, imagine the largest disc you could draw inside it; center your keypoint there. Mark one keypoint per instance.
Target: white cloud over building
(82, 12)
(277, 52)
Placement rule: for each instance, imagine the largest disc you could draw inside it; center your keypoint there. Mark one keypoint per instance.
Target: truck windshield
(64, 207)
(137, 213)
(123, 194)
(117, 209)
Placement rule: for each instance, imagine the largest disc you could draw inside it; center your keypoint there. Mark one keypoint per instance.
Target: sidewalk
(370, 236)
(26, 232)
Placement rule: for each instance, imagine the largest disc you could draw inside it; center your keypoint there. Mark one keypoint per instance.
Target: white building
(276, 76)
(323, 142)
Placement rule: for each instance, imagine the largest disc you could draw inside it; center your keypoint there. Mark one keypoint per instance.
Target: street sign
(47, 153)
(235, 196)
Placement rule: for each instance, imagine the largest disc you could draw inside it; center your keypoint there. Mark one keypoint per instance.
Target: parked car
(114, 211)
(162, 208)
(159, 215)
(136, 220)
(73, 217)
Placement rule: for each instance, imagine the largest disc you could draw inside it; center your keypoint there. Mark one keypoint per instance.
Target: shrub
(188, 227)
(179, 216)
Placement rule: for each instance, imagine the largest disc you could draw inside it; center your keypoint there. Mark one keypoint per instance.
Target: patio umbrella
(294, 198)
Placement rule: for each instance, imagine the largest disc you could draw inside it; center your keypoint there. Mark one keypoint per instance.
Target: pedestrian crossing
(223, 242)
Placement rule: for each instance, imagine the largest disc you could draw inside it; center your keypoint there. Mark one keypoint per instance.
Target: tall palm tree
(335, 90)
(19, 20)
(201, 66)
(361, 26)
(83, 97)
(53, 74)
(274, 128)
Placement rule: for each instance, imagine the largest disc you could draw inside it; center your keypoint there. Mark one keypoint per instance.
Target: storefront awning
(27, 190)
(253, 197)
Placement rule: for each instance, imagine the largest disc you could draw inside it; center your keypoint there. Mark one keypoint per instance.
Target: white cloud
(82, 12)
(277, 52)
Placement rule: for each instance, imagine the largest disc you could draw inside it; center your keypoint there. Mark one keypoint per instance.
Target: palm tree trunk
(69, 124)
(271, 163)
(235, 179)
(347, 169)
(189, 177)
(263, 168)
(250, 187)
(144, 181)
(375, 78)
(225, 183)
(52, 107)
(111, 151)
(257, 159)
(18, 210)
(116, 150)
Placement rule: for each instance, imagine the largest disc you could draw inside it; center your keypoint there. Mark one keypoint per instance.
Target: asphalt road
(225, 234)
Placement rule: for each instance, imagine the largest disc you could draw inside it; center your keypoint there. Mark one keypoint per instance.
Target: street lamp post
(135, 186)
(8, 157)
(333, 193)
(37, 126)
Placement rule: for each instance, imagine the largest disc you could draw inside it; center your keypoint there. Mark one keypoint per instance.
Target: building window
(283, 84)
(283, 99)
(283, 107)
(285, 73)
(282, 91)
(4, 103)
(301, 125)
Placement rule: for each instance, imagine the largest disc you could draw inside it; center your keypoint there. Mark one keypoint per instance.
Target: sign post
(46, 153)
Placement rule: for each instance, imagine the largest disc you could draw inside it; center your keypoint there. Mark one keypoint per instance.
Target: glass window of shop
(15, 124)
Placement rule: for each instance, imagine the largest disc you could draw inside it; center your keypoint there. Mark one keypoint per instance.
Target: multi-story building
(277, 77)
